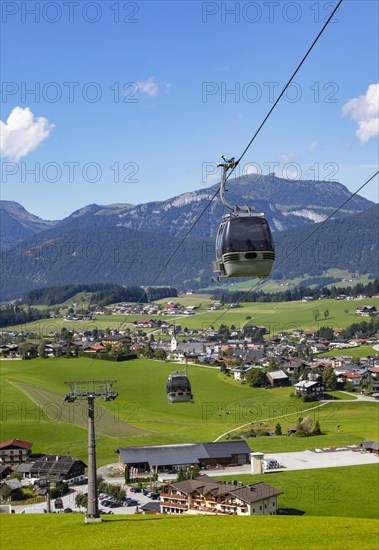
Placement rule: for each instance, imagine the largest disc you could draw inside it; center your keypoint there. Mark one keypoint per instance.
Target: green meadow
(347, 491)
(69, 532)
(33, 409)
(276, 316)
(358, 352)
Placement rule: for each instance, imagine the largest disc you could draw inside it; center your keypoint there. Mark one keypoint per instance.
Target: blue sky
(135, 101)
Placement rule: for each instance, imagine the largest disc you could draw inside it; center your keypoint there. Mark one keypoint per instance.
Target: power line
(242, 155)
(260, 281)
(288, 83)
(250, 142)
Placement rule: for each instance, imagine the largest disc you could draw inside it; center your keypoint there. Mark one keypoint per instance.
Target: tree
(126, 474)
(278, 429)
(325, 332)
(348, 386)
(306, 425)
(181, 474)
(272, 364)
(326, 314)
(316, 314)
(317, 428)
(81, 500)
(42, 350)
(256, 378)
(194, 471)
(329, 378)
(295, 377)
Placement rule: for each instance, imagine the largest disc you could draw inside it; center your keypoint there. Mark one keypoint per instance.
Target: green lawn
(33, 409)
(349, 491)
(280, 316)
(68, 532)
(360, 351)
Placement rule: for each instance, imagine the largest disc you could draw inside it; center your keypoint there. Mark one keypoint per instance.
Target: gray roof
(153, 506)
(13, 483)
(258, 491)
(186, 453)
(277, 374)
(54, 465)
(305, 384)
(368, 444)
(25, 468)
(205, 485)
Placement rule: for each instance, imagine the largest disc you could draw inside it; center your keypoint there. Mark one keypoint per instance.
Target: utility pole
(90, 389)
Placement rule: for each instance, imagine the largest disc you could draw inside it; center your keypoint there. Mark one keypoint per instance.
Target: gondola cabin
(244, 246)
(179, 388)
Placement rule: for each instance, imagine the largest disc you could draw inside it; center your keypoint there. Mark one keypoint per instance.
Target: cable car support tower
(90, 389)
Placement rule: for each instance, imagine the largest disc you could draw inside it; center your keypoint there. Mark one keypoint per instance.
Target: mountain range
(127, 244)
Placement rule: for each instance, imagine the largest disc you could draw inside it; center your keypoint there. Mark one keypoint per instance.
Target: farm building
(171, 457)
(62, 468)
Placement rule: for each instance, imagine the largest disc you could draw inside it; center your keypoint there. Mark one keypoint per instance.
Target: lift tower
(90, 389)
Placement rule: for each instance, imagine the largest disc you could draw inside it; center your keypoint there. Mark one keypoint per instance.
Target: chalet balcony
(173, 496)
(173, 505)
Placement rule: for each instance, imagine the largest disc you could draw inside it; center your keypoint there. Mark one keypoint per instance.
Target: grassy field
(33, 409)
(361, 351)
(169, 532)
(278, 316)
(324, 491)
(271, 286)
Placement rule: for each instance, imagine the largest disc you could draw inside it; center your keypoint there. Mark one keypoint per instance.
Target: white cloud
(287, 157)
(22, 133)
(365, 111)
(314, 146)
(151, 88)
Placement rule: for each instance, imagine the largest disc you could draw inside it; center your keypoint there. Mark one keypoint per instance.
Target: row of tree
(104, 294)
(13, 314)
(298, 293)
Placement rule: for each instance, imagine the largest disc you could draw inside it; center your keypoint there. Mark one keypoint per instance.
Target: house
(15, 451)
(204, 495)
(354, 377)
(366, 311)
(309, 388)
(168, 457)
(59, 467)
(8, 487)
(277, 378)
(152, 507)
(10, 351)
(241, 372)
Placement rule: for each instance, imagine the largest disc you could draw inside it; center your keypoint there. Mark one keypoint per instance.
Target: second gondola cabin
(244, 246)
(178, 388)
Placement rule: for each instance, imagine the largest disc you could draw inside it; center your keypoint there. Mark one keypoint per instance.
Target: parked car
(154, 496)
(58, 504)
(132, 502)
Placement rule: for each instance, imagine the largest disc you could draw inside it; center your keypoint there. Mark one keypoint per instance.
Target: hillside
(286, 203)
(125, 256)
(16, 223)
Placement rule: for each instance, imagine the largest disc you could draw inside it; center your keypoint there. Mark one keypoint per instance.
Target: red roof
(16, 443)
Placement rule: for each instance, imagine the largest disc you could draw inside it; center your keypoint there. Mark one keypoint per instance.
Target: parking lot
(69, 502)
